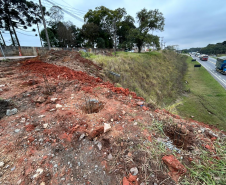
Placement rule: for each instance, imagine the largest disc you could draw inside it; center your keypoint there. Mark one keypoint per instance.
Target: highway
(210, 67)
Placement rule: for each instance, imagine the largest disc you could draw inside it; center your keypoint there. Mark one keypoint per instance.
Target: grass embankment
(158, 77)
(206, 99)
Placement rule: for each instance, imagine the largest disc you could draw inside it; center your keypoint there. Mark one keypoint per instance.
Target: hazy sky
(188, 23)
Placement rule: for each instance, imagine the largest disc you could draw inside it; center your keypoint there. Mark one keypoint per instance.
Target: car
(193, 59)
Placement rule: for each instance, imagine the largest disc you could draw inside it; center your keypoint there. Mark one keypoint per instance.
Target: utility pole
(161, 42)
(115, 30)
(47, 36)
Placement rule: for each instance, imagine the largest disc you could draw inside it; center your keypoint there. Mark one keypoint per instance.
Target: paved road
(16, 57)
(210, 67)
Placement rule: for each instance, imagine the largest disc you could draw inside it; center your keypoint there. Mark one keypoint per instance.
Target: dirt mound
(73, 60)
(41, 68)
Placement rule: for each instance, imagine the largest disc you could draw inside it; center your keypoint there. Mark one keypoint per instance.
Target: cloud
(188, 23)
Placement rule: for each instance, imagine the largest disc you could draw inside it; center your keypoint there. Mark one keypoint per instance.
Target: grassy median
(205, 99)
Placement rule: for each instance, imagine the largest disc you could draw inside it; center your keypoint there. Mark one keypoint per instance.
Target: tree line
(210, 49)
(102, 28)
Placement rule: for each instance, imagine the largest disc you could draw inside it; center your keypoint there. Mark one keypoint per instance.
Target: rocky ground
(60, 123)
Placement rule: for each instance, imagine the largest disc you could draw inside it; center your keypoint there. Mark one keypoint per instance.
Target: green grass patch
(158, 77)
(206, 99)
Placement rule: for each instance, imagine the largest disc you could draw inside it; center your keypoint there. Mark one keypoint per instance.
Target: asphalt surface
(211, 68)
(16, 57)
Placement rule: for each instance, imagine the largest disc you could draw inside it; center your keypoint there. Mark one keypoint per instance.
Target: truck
(204, 58)
(221, 65)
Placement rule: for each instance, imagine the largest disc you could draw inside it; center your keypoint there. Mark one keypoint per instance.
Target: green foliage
(52, 37)
(218, 48)
(85, 54)
(63, 34)
(148, 20)
(91, 32)
(100, 43)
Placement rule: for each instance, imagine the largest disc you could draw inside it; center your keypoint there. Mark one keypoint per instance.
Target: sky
(188, 23)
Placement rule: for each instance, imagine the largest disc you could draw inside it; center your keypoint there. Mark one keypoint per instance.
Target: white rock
(41, 116)
(134, 171)
(58, 106)
(110, 157)
(99, 145)
(2, 164)
(135, 123)
(19, 181)
(112, 120)
(53, 99)
(11, 112)
(45, 125)
(52, 110)
(140, 103)
(107, 127)
(38, 172)
(81, 137)
(23, 120)
(17, 130)
(43, 183)
(2, 85)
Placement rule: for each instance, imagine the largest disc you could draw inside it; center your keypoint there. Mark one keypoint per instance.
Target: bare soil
(57, 138)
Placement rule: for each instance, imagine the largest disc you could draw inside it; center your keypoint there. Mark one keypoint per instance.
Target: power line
(69, 13)
(68, 7)
(26, 34)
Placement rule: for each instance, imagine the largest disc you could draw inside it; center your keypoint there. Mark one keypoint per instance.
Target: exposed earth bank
(65, 125)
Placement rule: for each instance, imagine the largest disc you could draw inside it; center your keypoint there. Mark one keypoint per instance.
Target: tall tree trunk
(2, 39)
(16, 36)
(139, 49)
(14, 31)
(20, 53)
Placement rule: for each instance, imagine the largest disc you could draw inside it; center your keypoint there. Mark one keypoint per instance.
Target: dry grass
(158, 77)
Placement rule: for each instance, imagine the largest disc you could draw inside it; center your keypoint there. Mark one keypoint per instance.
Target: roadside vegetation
(158, 77)
(205, 98)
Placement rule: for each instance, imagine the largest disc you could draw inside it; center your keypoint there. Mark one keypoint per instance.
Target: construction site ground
(61, 123)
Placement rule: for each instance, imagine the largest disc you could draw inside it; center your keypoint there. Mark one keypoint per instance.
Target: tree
(77, 38)
(52, 37)
(147, 20)
(123, 31)
(35, 14)
(56, 14)
(108, 21)
(16, 14)
(91, 32)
